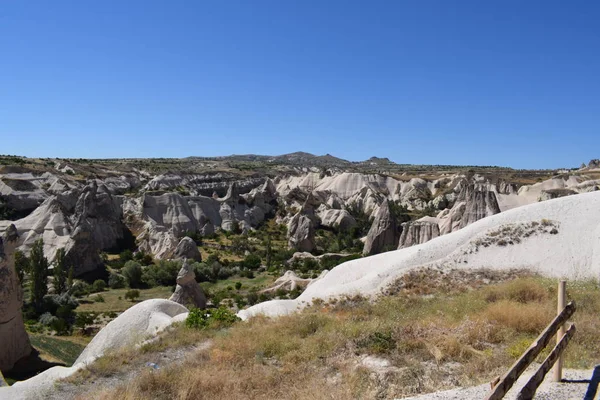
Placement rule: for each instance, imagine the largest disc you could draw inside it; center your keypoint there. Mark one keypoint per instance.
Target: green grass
(260, 281)
(113, 303)
(57, 350)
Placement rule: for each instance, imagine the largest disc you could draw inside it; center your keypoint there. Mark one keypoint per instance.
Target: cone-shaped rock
(188, 291)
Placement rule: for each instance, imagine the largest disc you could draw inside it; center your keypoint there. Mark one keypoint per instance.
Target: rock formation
(289, 281)
(337, 219)
(187, 249)
(384, 233)
(301, 228)
(14, 342)
(188, 291)
(419, 231)
(475, 201)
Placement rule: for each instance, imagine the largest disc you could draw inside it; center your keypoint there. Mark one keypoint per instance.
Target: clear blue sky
(513, 83)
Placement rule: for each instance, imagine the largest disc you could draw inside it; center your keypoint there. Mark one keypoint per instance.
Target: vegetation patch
(428, 341)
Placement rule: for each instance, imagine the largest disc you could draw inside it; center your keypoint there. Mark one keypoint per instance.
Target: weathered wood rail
(556, 326)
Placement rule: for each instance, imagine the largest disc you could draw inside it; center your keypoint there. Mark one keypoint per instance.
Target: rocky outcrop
(301, 233)
(594, 164)
(187, 249)
(555, 193)
(288, 282)
(14, 342)
(419, 231)
(96, 225)
(384, 233)
(301, 228)
(475, 201)
(480, 202)
(188, 291)
(170, 211)
(337, 219)
(83, 222)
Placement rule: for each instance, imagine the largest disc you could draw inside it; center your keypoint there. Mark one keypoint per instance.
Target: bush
(251, 261)
(162, 274)
(132, 294)
(210, 318)
(99, 298)
(238, 285)
(126, 255)
(132, 271)
(143, 257)
(53, 302)
(98, 286)
(116, 281)
(47, 319)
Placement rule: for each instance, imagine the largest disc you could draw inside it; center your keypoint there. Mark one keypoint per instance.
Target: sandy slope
(573, 252)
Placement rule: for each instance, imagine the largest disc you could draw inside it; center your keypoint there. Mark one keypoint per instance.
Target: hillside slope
(559, 237)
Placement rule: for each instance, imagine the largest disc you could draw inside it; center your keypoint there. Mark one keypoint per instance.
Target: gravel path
(547, 391)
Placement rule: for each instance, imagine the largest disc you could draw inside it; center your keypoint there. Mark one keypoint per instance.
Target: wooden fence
(556, 327)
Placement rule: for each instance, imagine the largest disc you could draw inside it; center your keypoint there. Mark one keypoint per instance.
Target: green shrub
(238, 285)
(162, 274)
(98, 286)
(251, 261)
(132, 271)
(132, 294)
(378, 342)
(210, 318)
(116, 281)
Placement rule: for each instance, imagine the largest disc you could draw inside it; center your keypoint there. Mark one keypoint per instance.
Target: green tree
(132, 294)
(133, 273)
(269, 252)
(39, 274)
(98, 286)
(70, 277)
(21, 265)
(60, 272)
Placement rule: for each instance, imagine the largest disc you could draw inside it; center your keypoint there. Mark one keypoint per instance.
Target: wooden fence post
(562, 302)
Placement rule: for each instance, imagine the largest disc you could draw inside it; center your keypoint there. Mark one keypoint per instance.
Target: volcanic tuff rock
(83, 222)
(338, 219)
(188, 291)
(384, 232)
(419, 231)
(301, 228)
(289, 281)
(14, 342)
(187, 249)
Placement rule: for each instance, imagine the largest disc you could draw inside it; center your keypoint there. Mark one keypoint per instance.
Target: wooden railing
(556, 326)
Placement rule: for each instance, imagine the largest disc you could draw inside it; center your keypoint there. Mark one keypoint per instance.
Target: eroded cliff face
(87, 217)
(420, 231)
(14, 341)
(82, 221)
(384, 233)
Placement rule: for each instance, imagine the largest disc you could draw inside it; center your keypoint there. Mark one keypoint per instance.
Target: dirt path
(66, 390)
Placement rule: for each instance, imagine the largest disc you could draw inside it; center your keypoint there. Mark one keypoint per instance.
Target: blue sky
(511, 83)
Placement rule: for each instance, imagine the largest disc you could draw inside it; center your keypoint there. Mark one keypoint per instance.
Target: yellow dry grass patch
(316, 354)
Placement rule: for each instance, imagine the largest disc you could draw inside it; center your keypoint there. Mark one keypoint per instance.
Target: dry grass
(435, 341)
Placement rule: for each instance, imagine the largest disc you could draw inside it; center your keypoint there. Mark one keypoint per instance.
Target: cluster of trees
(52, 310)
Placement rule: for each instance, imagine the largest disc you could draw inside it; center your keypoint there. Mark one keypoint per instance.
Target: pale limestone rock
(188, 291)
(384, 233)
(419, 231)
(337, 219)
(14, 341)
(187, 249)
